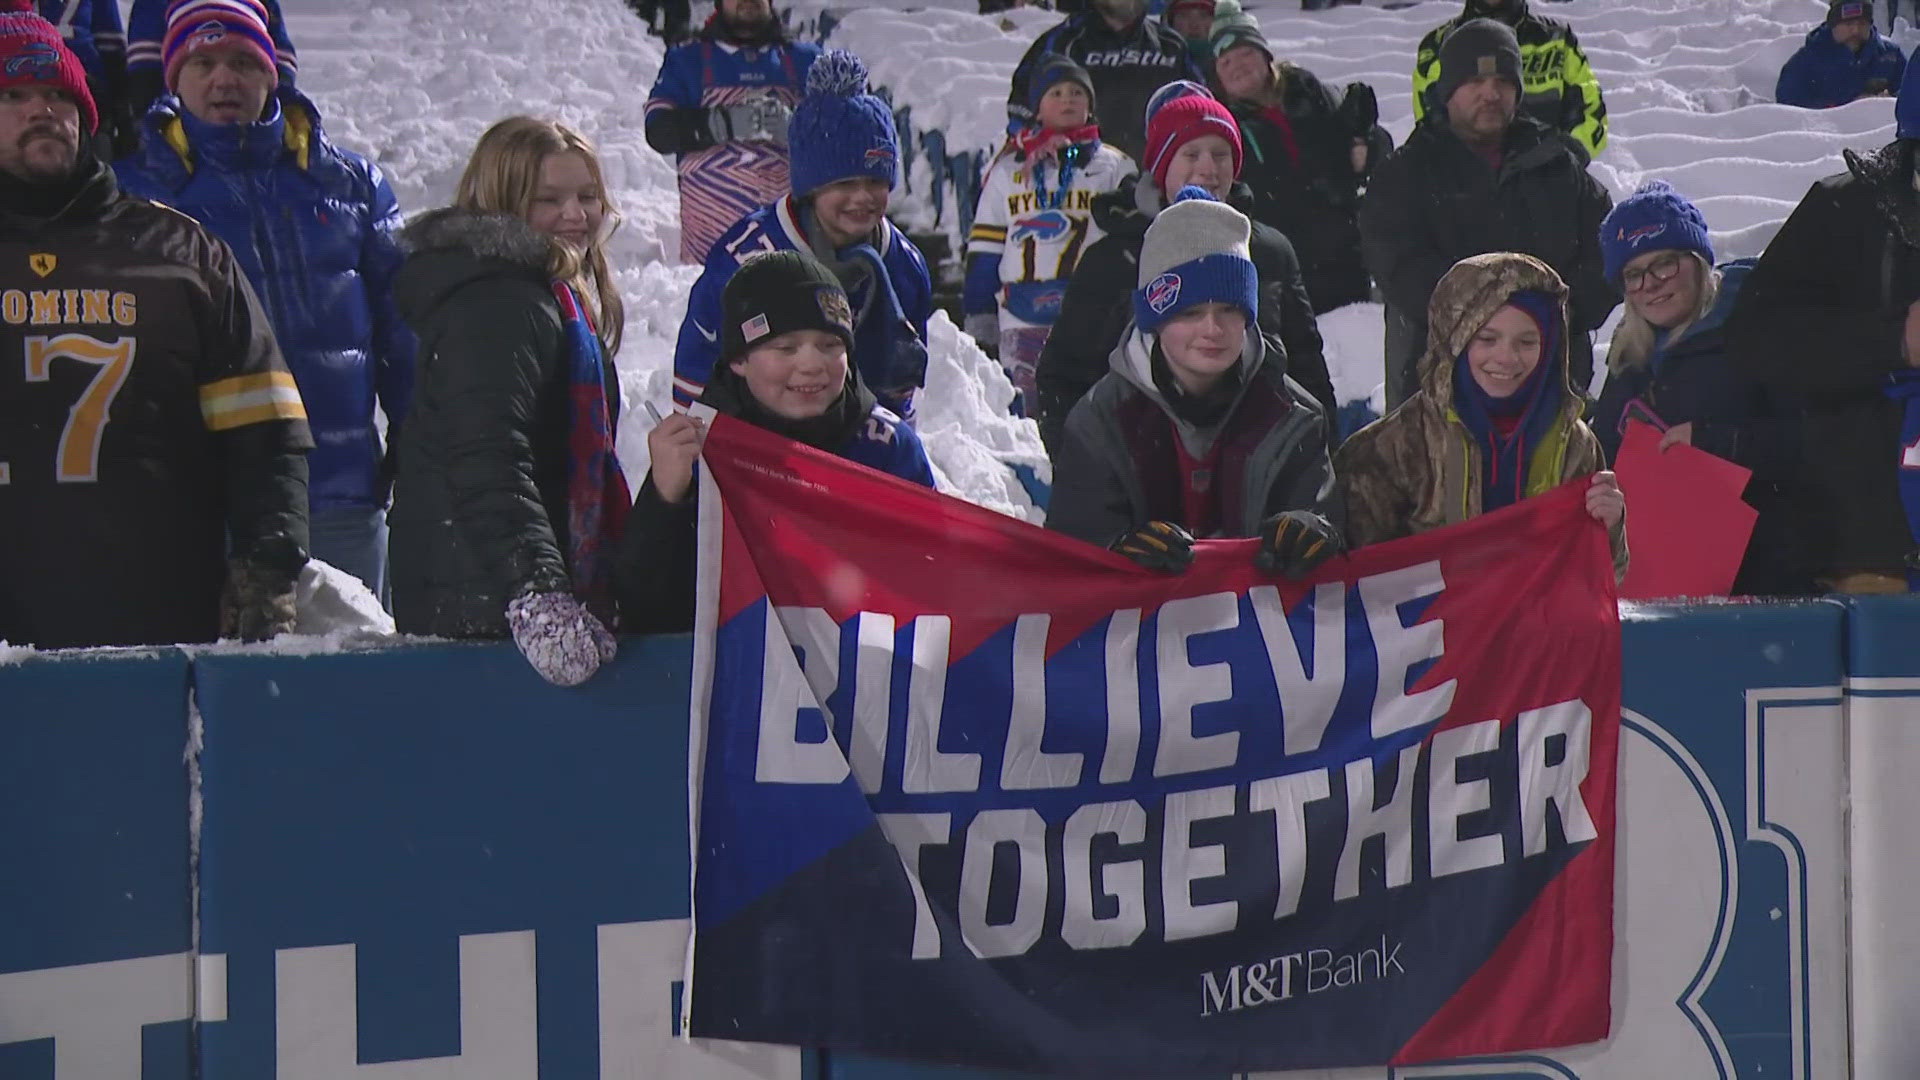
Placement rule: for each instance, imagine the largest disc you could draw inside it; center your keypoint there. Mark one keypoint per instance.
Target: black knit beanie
(779, 292)
(1476, 48)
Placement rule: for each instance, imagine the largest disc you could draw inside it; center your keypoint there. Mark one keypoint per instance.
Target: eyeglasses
(1657, 272)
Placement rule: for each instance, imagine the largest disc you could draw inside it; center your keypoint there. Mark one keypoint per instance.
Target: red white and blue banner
(969, 791)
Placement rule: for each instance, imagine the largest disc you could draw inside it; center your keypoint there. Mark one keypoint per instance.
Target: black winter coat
(1695, 381)
(479, 507)
(197, 448)
(1821, 322)
(1098, 306)
(1434, 202)
(1126, 67)
(1315, 202)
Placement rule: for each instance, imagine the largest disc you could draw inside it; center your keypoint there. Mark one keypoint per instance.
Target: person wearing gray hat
(1476, 176)
(1196, 431)
(1560, 89)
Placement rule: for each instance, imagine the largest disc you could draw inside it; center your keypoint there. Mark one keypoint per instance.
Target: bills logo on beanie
(839, 131)
(204, 24)
(32, 54)
(1195, 252)
(1180, 120)
(1654, 218)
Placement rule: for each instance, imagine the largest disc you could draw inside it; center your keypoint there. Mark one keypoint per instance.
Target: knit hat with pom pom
(1195, 252)
(32, 54)
(839, 131)
(1654, 218)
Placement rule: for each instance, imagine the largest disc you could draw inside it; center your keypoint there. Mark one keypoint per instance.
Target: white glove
(559, 637)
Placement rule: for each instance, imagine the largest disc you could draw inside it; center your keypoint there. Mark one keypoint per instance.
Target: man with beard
(152, 443)
(1127, 55)
(721, 104)
(1477, 176)
(1559, 88)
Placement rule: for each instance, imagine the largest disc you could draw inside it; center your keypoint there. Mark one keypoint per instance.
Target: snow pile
(1688, 85)
(414, 85)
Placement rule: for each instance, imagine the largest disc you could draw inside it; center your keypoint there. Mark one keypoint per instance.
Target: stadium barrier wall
(423, 863)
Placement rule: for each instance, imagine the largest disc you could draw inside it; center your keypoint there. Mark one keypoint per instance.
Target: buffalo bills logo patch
(878, 157)
(1633, 237)
(1163, 292)
(35, 60)
(1045, 226)
(211, 32)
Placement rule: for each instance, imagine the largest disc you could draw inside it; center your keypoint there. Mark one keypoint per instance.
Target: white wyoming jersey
(1040, 244)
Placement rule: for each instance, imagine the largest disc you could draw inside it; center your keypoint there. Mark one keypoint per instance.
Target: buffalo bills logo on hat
(1163, 292)
(211, 32)
(1632, 237)
(35, 60)
(1048, 225)
(879, 156)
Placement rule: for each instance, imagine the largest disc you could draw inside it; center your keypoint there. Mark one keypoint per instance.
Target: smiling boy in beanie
(1844, 59)
(845, 158)
(1037, 204)
(1196, 431)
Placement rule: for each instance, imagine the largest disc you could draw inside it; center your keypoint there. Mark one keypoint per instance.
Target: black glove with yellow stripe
(1296, 542)
(1157, 545)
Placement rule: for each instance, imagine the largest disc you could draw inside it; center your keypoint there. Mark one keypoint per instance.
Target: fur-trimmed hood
(450, 248)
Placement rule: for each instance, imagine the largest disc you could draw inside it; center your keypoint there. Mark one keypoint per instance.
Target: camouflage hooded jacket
(1419, 467)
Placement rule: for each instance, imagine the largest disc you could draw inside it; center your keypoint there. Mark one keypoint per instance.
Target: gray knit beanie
(1195, 252)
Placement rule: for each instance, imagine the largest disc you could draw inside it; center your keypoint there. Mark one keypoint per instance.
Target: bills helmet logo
(1163, 292)
(35, 60)
(1633, 237)
(879, 157)
(211, 32)
(1045, 226)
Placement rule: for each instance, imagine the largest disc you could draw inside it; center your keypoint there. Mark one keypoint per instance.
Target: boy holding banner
(1196, 431)
(786, 329)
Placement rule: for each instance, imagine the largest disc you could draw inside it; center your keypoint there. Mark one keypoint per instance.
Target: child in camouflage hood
(1495, 419)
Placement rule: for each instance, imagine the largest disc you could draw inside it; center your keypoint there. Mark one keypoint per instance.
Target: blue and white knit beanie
(1196, 252)
(1654, 218)
(839, 131)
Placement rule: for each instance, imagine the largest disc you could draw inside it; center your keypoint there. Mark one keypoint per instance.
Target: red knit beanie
(1179, 122)
(31, 53)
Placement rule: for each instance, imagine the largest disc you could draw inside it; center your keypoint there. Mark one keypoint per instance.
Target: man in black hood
(153, 444)
(1830, 318)
(1559, 87)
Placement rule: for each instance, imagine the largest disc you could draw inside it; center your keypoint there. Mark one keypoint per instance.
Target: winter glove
(1157, 545)
(257, 602)
(905, 369)
(559, 637)
(1296, 542)
(984, 328)
(762, 118)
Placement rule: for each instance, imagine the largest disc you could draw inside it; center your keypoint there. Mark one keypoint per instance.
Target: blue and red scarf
(597, 495)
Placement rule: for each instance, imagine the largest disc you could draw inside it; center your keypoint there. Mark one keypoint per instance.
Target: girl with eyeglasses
(1668, 366)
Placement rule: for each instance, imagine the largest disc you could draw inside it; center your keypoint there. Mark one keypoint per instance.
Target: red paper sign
(1687, 526)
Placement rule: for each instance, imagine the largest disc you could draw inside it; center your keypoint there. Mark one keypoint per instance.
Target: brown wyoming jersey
(146, 420)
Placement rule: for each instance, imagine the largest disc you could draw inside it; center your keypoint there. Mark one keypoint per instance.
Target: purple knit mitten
(559, 637)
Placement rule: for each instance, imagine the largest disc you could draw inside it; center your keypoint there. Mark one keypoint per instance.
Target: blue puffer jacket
(1825, 73)
(313, 227)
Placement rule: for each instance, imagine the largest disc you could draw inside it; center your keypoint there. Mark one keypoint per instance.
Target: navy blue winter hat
(839, 131)
(1055, 68)
(1906, 107)
(1195, 252)
(1654, 218)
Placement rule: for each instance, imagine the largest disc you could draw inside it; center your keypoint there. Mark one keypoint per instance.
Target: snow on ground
(1688, 85)
(413, 85)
